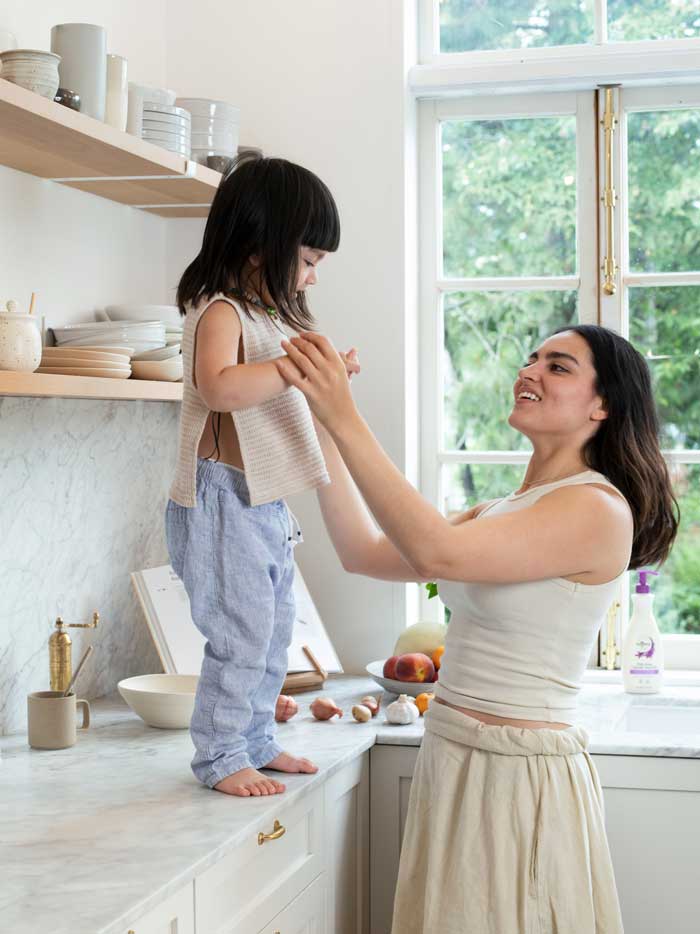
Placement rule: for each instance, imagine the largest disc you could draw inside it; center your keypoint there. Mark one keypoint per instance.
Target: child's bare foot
(285, 762)
(249, 783)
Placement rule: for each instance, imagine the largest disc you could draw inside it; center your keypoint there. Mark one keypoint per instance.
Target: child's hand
(315, 367)
(351, 361)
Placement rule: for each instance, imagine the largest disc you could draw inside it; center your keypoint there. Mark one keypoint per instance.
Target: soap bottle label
(644, 661)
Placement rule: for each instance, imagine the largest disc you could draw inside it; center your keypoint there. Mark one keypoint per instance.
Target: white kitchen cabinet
(391, 771)
(249, 886)
(652, 817)
(347, 854)
(173, 916)
(305, 915)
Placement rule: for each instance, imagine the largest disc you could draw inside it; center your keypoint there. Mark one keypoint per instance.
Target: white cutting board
(180, 645)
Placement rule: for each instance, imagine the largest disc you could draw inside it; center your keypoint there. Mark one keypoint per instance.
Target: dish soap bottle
(642, 653)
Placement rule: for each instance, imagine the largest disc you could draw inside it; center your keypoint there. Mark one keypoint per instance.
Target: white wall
(322, 83)
(82, 483)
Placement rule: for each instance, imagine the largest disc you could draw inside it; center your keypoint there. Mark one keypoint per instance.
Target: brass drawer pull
(277, 832)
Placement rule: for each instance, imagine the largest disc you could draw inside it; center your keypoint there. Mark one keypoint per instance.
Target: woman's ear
(601, 413)
(254, 261)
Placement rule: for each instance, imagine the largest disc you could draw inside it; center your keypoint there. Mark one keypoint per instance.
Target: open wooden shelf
(43, 385)
(51, 141)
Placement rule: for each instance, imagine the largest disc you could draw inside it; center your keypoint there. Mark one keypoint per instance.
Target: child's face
(308, 261)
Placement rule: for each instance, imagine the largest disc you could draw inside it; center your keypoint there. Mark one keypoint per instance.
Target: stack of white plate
(87, 361)
(168, 314)
(215, 126)
(167, 127)
(138, 335)
(32, 69)
(173, 334)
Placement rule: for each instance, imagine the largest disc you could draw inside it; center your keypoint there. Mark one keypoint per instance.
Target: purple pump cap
(642, 586)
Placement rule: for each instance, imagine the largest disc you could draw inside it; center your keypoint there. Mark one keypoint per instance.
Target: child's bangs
(322, 231)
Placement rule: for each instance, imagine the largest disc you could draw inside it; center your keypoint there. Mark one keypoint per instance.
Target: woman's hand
(316, 368)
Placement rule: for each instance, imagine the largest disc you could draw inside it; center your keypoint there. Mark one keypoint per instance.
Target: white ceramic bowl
(208, 107)
(150, 110)
(160, 96)
(168, 314)
(163, 353)
(412, 688)
(163, 701)
(159, 126)
(168, 370)
(32, 69)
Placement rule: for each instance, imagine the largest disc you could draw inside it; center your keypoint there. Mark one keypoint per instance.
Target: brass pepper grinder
(60, 665)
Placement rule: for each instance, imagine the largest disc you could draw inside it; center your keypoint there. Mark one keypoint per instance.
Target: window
(469, 25)
(513, 238)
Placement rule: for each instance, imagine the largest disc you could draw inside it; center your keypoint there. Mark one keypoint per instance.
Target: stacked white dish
(168, 127)
(168, 314)
(215, 127)
(138, 335)
(87, 361)
(32, 69)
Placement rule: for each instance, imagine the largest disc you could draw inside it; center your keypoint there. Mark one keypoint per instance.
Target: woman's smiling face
(555, 390)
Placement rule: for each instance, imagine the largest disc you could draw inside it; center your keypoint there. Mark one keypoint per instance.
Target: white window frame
(434, 284)
(682, 651)
(567, 67)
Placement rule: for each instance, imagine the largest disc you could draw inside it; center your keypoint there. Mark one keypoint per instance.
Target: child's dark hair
(267, 208)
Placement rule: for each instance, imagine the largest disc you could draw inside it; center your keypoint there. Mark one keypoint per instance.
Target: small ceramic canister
(20, 340)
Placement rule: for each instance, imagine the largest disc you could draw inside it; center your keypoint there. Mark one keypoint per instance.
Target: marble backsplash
(83, 486)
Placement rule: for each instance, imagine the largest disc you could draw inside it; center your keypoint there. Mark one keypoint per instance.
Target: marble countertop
(96, 835)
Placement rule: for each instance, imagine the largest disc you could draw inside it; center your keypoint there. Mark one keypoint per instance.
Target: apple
(390, 667)
(415, 666)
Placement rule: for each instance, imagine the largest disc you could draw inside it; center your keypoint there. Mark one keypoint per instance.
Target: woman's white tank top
(519, 650)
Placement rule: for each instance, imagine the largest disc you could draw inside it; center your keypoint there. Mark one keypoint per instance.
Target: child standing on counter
(246, 441)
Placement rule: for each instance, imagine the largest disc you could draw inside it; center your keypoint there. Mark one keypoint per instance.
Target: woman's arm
(572, 531)
(360, 545)
(224, 384)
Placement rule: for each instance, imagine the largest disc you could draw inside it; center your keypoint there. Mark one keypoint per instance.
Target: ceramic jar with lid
(20, 340)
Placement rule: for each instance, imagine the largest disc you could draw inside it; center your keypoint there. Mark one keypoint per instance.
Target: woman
(505, 829)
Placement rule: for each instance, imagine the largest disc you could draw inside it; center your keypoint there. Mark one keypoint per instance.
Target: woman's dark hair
(267, 208)
(625, 448)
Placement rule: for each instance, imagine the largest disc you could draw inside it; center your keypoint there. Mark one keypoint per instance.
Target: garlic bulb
(285, 708)
(372, 703)
(402, 711)
(361, 713)
(323, 708)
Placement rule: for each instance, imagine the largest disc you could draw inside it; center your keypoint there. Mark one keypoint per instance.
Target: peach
(390, 667)
(415, 666)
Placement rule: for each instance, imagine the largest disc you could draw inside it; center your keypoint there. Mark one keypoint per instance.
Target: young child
(246, 441)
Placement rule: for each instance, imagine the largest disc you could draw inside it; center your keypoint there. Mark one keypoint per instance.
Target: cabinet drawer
(255, 881)
(304, 915)
(173, 916)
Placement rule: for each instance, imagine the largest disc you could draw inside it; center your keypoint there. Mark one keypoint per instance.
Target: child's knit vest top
(280, 450)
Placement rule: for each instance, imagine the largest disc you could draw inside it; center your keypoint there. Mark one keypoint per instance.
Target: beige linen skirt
(504, 834)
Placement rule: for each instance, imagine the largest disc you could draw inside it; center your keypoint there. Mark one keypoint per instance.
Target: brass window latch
(611, 652)
(609, 198)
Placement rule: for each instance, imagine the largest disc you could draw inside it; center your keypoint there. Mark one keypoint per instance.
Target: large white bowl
(412, 688)
(163, 701)
(170, 371)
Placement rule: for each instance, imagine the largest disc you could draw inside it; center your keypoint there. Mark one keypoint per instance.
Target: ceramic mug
(51, 719)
